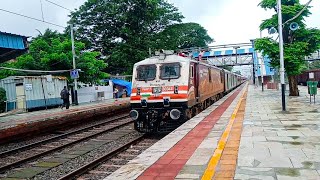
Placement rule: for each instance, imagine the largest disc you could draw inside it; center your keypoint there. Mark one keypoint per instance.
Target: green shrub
(3, 98)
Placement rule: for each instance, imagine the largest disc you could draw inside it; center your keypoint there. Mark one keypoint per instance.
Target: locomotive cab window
(170, 71)
(146, 72)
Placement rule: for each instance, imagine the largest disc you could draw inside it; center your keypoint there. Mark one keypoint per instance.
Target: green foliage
(124, 30)
(52, 51)
(3, 98)
(314, 65)
(229, 68)
(297, 44)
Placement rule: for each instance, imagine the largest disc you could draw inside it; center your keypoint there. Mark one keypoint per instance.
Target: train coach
(169, 89)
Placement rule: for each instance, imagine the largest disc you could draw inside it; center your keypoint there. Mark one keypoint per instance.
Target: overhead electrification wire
(31, 18)
(304, 8)
(35, 71)
(58, 5)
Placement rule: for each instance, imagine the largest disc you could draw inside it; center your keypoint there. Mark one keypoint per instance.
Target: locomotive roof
(168, 59)
(175, 58)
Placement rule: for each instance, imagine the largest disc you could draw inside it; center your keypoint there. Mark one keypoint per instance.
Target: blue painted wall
(43, 103)
(269, 70)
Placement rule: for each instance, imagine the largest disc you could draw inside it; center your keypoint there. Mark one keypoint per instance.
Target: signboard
(311, 75)
(74, 74)
(28, 87)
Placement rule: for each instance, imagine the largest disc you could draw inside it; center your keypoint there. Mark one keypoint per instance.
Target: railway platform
(244, 135)
(19, 124)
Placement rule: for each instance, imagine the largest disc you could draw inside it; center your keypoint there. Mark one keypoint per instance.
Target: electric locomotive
(168, 89)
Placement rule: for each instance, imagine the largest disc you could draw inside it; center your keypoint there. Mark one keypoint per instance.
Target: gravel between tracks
(79, 161)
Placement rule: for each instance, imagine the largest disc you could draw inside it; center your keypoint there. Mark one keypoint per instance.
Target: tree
(184, 35)
(3, 98)
(122, 30)
(297, 44)
(52, 51)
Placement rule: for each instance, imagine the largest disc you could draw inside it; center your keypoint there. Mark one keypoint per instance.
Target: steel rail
(96, 162)
(19, 162)
(28, 146)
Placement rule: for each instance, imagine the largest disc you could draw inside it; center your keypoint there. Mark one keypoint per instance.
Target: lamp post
(261, 72)
(283, 86)
(74, 67)
(253, 68)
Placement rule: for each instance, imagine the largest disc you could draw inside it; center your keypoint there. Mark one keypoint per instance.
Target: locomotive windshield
(146, 72)
(170, 71)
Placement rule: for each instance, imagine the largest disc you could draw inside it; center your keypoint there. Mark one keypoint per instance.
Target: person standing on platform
(115, 92)
(65, 97)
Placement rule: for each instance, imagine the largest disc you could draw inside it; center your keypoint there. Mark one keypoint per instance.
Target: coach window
(146, 72)
(170, 71)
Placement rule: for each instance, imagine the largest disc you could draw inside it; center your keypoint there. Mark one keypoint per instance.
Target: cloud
(227, 21)
(232, 21)
(51, 13)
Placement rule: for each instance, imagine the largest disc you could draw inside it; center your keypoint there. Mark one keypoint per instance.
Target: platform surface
(9, 119)
(12, 124)
(245, 135)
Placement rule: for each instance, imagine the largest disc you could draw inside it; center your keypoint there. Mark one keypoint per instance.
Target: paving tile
(188, 176)
(224, 174)
(245, 161)
(144, 177)
(252, 177)
(193, 169)
(291, 137)
(309, 174)
(289, 133)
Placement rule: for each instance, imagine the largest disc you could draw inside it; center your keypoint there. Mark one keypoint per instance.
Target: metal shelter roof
(11, 46)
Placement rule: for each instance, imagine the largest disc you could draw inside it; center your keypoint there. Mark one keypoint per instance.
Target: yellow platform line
(211, 168)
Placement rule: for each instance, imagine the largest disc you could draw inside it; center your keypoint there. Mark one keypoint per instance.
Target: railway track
(61, 134)
(105, 165)
(87, 167)
(21, 156)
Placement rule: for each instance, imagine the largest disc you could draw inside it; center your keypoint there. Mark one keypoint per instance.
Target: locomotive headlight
(156, 90)
(176, 88)
(138, 91)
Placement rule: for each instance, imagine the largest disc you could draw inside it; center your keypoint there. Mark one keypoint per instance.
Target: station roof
(12, 46)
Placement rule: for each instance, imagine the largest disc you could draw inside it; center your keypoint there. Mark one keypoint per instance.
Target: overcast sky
(227, 21)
